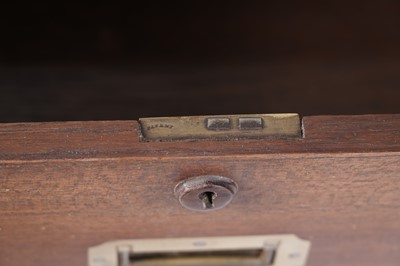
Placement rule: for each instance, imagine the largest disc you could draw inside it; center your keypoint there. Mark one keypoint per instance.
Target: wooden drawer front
(58, 199)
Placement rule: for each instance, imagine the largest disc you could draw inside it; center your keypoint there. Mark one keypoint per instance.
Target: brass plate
(221, 127)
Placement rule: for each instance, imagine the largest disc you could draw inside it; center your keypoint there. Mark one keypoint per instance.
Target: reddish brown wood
(67, 186)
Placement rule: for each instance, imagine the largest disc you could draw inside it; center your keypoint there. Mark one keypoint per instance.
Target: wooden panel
(67, 186)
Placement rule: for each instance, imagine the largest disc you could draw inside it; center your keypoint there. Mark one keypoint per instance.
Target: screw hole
(208, 199)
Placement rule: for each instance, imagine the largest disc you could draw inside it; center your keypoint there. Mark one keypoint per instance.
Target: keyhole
(208, 199)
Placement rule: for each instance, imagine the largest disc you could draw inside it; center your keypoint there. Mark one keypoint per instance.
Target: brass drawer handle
(275, 250)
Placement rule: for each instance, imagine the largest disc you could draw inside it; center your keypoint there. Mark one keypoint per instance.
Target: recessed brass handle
(273, 250)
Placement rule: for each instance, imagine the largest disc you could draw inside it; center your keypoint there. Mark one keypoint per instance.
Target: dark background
(112, 61)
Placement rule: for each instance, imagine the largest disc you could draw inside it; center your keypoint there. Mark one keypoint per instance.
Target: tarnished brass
(205, 193)
(220, 127)
(272, 250)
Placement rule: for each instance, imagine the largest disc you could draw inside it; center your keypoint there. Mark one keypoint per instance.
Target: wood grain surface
(67, 186)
